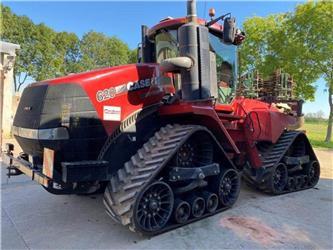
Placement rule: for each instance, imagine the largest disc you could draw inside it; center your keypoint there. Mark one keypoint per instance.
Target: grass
(316, 132)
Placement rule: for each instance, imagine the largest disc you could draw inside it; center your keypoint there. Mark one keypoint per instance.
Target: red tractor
(165, 139)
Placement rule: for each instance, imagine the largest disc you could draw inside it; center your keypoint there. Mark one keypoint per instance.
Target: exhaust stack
(194, 44)
(191, 11)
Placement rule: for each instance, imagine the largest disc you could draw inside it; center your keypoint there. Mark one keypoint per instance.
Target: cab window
(166, 45)
(226, 68)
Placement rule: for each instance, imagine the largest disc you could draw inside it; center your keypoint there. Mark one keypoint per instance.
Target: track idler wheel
(306, 181)
(312, 170)
(182, 211)
(197, 206)
(229, 187)
(211, 200)
(154, 207)
(279, 179)
(291, 183)
(299, 182)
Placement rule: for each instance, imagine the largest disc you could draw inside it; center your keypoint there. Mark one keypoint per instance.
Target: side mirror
(229, 30)
(139, 53)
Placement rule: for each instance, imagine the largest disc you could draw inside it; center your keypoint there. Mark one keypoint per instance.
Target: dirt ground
(31, 218)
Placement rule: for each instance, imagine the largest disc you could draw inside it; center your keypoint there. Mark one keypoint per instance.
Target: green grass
(316, 132)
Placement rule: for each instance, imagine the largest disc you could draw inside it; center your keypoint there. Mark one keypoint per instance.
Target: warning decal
(111, 113)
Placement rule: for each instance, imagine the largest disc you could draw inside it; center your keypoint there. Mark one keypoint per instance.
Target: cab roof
(174, 23)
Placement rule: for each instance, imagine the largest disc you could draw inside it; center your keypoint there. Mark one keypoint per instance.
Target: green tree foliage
(98, 50)
(300, 43)
(68, 51)
(133, 56)
(46, 53)
(20, 30)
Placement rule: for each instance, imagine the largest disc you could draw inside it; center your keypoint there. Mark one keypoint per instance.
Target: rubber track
(273, 157)
(126, 185)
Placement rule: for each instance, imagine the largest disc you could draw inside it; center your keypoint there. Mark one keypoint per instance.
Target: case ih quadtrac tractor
(165, 139)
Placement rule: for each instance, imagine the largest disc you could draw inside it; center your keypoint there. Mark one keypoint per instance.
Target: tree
(319, 115)
(68, 49)
(98, 50)
(46, 53)
(300, 43)
(133, 56)
(312, 29)
(20, 30)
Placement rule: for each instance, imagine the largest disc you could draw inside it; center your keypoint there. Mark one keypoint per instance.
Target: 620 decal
(105, 94)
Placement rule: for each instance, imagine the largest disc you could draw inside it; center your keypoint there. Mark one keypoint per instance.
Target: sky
(123, 20)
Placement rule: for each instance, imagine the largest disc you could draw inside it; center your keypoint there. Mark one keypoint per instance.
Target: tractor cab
(161, 42)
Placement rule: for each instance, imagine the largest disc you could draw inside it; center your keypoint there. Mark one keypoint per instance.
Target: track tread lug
(158, 136)
(141, 154)
(141, 176)
(153, 167)
(125, 209)
(154, 161)
(114, 183)
(133, 185)
(121, 175)
(127, 197)
(160, 154)
(146, 147)
(129, 168)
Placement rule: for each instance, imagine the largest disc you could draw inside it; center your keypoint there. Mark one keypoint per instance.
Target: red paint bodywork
(238, 125)
(130, 102)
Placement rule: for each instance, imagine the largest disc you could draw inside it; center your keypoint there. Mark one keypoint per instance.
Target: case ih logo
(106, 94)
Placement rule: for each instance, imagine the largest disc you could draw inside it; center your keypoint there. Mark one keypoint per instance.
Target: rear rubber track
(271, 159)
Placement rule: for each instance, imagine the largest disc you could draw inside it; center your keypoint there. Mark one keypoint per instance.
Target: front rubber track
(127, 184)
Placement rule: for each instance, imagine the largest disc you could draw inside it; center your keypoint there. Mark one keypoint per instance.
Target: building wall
(8, 92)
(9, 103)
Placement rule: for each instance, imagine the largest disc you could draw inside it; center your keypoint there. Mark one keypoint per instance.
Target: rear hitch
(9, 147)
(13, 171)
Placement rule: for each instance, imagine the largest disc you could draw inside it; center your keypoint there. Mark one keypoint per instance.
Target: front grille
(50, 106)
(30, 107)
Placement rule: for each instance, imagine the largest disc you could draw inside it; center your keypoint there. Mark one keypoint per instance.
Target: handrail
(259, 125)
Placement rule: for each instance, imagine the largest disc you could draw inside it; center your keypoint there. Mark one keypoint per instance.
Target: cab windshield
(223, 61)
